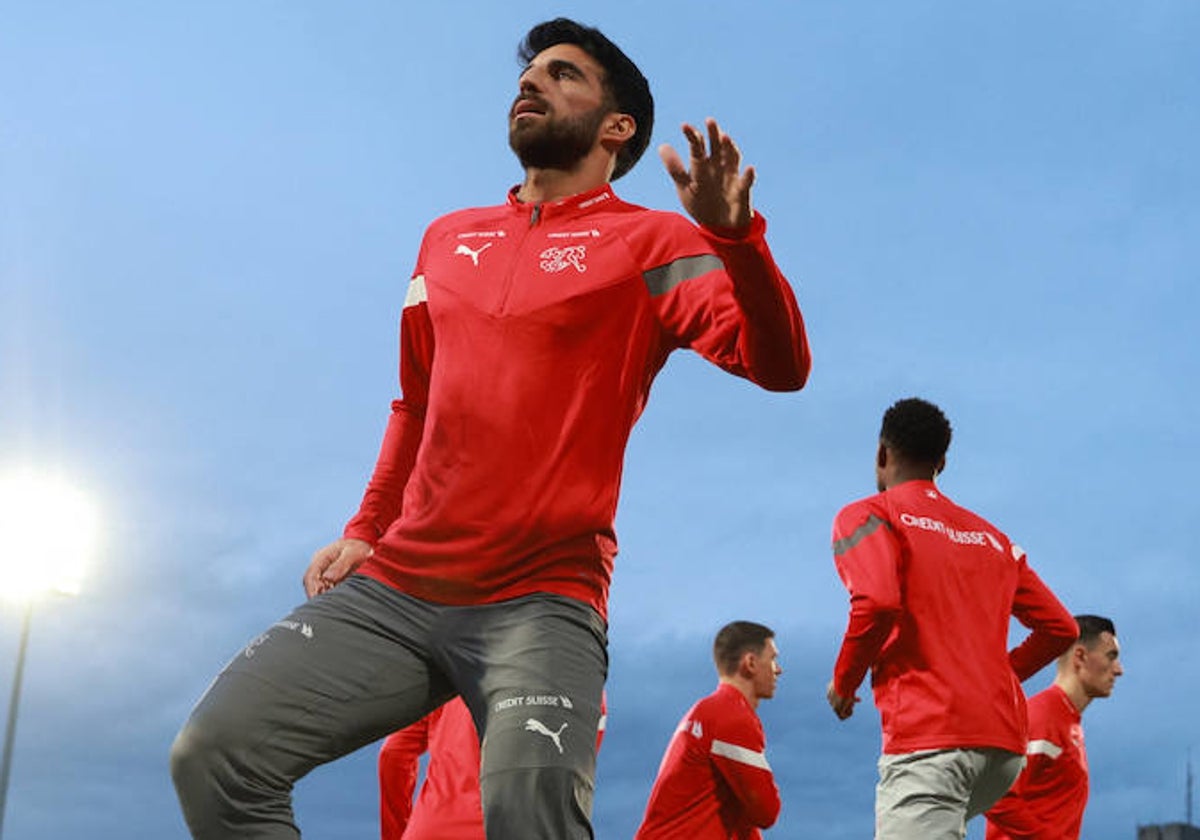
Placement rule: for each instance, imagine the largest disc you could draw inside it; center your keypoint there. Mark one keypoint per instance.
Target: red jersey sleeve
(867, 556)
(738, 753)
(384, 496)
(1052, 625)
(398, 768)
(732, 305)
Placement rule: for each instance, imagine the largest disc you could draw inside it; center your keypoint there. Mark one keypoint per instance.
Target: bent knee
(193, 754)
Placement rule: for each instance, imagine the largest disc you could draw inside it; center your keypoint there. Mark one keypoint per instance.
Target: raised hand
(713, 188)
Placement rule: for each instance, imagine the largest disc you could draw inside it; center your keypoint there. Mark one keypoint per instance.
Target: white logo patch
(463, 250)
(559, 259)
(591, 233)
(534, 725)
(302, 627)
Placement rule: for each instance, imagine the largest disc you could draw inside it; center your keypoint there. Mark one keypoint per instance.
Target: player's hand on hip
(333, 564)
(713, 188)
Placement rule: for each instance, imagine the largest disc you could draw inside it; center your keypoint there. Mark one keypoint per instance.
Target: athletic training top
(714, 782)
(1047, 800)
(448, 806)
(529, 339)
(932, 586)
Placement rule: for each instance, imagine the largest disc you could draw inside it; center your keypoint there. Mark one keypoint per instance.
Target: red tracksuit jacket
(932, 586)
(529, 339)
(714, 782)
(1048, 799)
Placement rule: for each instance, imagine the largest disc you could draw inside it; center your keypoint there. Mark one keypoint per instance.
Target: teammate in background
(714, 782)
(448, 806)
(1049, 796)
(480, 559)
(932, 586)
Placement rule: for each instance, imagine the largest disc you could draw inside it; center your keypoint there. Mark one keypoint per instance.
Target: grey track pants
(932, 794)
(363, 660)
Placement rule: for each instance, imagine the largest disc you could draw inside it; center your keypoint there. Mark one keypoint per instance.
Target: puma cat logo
(537, 726)
(474, 255)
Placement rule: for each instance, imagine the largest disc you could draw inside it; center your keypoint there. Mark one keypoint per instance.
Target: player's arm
(738, 753)
(384, 495)
(1007, 820)
(1053, 628)
(867, 556)
(742, 315)
(398, 768)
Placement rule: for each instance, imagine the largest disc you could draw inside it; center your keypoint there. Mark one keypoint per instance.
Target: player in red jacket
(530, 335)
(448, 806)
(932, 586)
(1048, 798)
(714, 782)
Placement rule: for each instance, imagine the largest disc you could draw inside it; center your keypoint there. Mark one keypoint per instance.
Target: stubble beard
(554, 143)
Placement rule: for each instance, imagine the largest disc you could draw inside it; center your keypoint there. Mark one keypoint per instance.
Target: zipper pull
(536, 215)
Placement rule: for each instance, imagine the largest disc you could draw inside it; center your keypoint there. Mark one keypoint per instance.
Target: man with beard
(479, 562)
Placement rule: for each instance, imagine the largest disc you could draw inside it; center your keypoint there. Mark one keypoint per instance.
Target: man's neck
(1074, 691)
(744, 686)
(542, 185)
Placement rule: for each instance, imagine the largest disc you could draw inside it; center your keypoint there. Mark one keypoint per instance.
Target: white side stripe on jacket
(741, 754)
(1044, 748)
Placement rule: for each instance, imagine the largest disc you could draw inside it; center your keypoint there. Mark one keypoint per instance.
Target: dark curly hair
(917, 430)
(623, 81)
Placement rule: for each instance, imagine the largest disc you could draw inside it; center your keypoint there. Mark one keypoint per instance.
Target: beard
(555, 143)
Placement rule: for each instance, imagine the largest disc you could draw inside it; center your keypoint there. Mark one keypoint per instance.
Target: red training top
(714, 782)
(448, 806)
(1047, 800)
(932, 586)
(529, 339)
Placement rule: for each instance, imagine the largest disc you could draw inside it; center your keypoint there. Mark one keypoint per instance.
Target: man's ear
(881, 457)
(748, 664)
(619, 128)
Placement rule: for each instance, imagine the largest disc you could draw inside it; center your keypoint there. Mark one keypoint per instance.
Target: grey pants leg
(341, 671)
(931, 794)
(532, 672)
(363, 660)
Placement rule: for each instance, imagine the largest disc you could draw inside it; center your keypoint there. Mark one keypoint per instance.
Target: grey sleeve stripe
(662, 279)
(860, 533)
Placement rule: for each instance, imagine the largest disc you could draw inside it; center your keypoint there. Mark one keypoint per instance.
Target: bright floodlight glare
(48, 532)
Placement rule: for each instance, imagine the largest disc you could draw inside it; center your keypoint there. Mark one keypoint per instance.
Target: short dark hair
(917, 430)
(624, 82)
(736, 639)
(1090, 628)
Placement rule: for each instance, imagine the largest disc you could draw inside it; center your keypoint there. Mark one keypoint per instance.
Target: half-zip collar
(573, 205)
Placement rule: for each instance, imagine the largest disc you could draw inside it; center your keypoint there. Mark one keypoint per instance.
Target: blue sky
(208, 214)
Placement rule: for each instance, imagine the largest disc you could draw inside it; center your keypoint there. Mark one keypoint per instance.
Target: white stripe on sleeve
(416, 291)
(1044, 748)
(741, 754)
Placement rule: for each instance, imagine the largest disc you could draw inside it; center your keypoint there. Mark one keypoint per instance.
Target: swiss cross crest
(559, 259)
